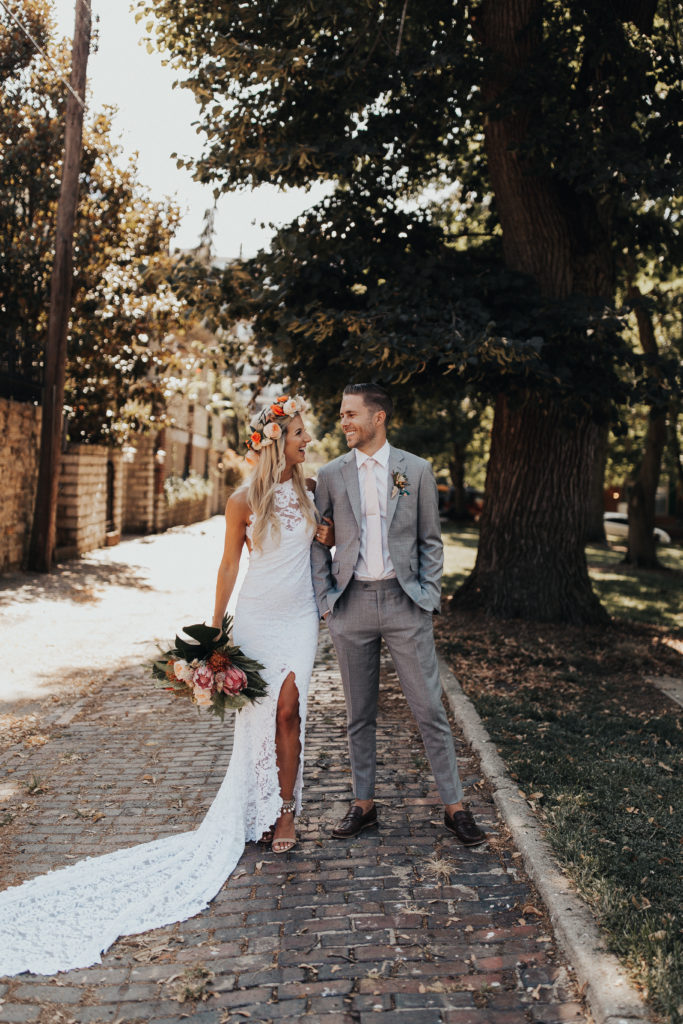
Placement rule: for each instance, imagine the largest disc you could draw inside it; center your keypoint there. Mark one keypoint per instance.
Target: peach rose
(182, 671)
(273, 431)
(178, 667)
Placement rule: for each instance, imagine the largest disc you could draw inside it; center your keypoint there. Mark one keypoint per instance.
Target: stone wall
(19, 451)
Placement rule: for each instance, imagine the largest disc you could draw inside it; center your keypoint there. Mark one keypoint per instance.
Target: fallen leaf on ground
(35, 741)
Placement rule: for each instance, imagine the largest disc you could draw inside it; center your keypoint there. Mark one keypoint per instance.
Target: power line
(42, 52)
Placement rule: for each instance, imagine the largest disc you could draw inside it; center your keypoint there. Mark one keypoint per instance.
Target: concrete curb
(605, 984)
(672, 686)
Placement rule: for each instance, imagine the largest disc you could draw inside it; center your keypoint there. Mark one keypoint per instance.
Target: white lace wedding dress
(67, 918)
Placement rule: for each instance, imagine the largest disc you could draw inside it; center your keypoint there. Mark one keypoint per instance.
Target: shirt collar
(381, 456)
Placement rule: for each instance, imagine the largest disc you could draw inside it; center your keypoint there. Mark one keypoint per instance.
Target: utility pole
(45, 516)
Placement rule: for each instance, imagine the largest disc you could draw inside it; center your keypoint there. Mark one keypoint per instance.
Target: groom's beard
(360, 438)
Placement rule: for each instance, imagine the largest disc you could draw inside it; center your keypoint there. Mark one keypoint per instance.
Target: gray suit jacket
(414, 531)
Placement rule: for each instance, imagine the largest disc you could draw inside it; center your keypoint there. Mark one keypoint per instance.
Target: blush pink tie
(373, 547)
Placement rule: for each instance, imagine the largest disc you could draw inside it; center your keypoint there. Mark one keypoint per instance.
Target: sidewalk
(402, 924)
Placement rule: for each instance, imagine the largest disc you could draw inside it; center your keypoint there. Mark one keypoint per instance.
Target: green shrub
(189, 488)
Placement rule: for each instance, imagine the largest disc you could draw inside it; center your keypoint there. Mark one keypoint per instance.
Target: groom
(384, 583)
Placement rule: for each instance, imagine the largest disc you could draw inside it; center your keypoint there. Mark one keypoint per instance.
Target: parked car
(616, 525)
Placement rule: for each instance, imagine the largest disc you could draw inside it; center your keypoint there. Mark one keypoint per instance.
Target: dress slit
(298, 779)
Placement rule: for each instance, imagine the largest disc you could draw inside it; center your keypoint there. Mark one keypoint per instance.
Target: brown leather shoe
(463, 825)
(354, 821)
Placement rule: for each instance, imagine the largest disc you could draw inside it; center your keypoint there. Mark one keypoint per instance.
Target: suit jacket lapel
(350, 474)
(396, 463)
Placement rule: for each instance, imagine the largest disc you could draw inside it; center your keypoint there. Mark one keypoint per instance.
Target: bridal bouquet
(210, 670)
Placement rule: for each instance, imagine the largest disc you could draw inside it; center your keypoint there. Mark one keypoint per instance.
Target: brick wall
(82, 500)
(185, 512)
(115, 520)
(139, 489)
(19, 449)
(223, 483)
(101, 494)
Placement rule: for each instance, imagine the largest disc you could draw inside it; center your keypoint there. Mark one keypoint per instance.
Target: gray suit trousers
(363, 615)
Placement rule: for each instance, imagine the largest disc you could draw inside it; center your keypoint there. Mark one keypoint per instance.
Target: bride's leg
(287, 753)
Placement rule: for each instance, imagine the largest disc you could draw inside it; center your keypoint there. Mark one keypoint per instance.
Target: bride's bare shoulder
(237, 505)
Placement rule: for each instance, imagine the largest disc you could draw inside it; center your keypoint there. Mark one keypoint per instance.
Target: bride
(65, 919)
(276, 619)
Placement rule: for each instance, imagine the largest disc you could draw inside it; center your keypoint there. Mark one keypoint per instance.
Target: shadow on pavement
(77, 581)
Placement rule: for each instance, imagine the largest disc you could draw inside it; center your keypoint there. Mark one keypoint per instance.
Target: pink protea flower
(203, 678)
(235, 680)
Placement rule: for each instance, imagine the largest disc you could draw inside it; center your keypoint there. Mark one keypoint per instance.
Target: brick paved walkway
(400, 925)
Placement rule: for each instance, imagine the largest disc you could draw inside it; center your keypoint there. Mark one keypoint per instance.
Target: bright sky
(156, 120)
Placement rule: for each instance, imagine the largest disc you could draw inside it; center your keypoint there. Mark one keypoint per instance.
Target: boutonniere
(400, 483)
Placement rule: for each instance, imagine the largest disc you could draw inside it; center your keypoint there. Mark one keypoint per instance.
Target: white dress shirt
(381, 471)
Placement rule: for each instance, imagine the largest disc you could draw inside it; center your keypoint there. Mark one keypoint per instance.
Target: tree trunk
(531, 561)
(642, 548)
(456, 466)
(44, 527)
(187, 465)
(595, 526)
(677, 460)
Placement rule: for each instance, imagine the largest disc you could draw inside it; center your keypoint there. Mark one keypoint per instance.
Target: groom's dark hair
(375, 396)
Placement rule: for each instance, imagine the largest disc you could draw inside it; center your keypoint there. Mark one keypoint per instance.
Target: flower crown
(265, 429)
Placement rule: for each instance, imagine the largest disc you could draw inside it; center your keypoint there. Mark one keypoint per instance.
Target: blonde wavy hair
(266, 475)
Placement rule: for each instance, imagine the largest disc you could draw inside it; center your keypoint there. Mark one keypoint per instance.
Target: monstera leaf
(205, 639)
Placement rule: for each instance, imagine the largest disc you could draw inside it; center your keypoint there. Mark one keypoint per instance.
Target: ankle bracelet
(288, 806)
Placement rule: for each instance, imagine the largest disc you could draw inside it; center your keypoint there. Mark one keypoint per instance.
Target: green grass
(459, 554)
(576, 720)
(609, 772)
(643, 595)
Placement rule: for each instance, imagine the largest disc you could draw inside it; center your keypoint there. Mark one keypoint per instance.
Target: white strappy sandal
(284, 845)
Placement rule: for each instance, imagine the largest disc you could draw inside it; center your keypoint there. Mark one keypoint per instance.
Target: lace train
(67, 918)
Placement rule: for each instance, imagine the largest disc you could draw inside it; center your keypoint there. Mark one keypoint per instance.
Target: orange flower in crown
(265, 429)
